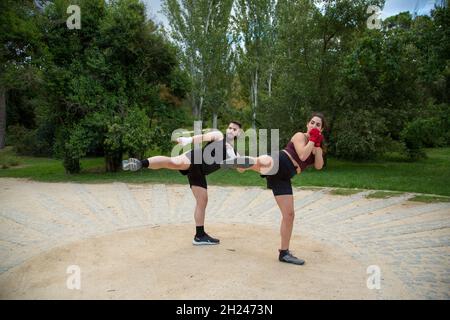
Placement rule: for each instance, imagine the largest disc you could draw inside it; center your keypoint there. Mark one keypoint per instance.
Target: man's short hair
(237, 123)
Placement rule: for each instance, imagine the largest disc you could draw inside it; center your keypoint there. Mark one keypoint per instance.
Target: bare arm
(210, 136)
(318, 158)
(302, 147)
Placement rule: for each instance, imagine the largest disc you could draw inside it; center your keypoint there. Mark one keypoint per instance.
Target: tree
(292, 76)
(255, 32)
(200, 29)
(105, 82)
(19, 41)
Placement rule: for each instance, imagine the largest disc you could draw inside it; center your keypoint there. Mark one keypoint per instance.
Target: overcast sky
(391, 7)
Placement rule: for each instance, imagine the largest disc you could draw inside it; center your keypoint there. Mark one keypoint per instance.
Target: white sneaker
(131, 164)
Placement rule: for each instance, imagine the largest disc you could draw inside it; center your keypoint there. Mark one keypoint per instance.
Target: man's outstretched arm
(207, 137)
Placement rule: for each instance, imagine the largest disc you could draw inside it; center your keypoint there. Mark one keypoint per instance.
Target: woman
(303, 150)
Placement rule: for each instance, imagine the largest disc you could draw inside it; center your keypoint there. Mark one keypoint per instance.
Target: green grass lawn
(430, 176)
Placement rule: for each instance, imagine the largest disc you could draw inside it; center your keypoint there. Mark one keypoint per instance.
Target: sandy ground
(152, 256)
(161, 263)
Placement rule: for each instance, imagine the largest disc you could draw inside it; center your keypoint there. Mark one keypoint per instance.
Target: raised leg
(262, 164)
(180, 162)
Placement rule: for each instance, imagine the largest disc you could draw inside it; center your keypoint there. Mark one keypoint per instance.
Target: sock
(145, 163)
(200, 231)
(283, 252)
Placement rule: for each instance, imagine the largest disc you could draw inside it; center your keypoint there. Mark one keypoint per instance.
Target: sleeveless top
(290, 148)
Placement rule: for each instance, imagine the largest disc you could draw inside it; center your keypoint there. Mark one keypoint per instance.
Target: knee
(289, 215)
(179, 160)
(202, 202)
(264, 161)
(176, 161)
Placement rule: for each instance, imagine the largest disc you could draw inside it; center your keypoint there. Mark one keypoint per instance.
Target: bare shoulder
(298, 137)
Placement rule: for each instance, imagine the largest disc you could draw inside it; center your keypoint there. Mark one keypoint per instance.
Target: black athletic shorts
(196, 173)
(280, 182)
(195, 176)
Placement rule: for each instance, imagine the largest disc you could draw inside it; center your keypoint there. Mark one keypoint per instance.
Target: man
(196, 164)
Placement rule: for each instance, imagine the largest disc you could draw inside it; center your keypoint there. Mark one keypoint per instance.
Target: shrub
(29, 142)
(420, 133)
(71, 146)
(359, 137)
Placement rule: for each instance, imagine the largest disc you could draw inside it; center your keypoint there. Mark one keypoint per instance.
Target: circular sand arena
(128, 241)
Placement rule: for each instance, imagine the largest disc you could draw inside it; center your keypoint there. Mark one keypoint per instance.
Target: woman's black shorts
(280, 181)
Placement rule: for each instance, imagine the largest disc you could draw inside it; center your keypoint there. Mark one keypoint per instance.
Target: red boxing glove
(318, 143)
(316, 137)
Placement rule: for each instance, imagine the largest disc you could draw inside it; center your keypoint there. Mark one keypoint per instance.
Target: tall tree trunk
(214, 124)
(270, 80)
(254, 98)
(193, 92)
(208, 17)
(253, 103)
(194, 105)
(2, 117)
(200, 105)
(113, 161)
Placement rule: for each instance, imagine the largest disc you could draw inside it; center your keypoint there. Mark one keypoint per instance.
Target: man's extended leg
(180, 162)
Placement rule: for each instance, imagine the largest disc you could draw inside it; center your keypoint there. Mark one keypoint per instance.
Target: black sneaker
(289, 258)
(204, 240)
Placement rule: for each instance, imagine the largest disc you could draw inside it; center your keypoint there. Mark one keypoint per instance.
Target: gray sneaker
(131, 164)
(289, 258)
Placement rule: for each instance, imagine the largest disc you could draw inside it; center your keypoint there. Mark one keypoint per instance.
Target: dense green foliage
(120, 85)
